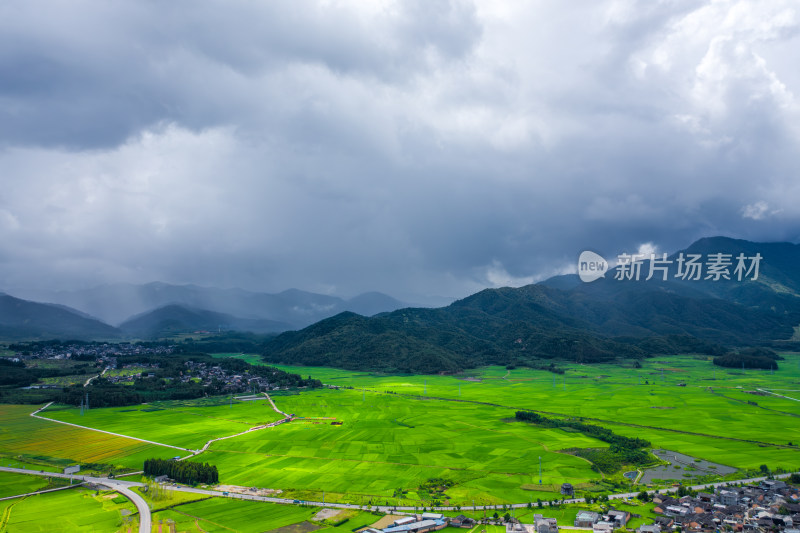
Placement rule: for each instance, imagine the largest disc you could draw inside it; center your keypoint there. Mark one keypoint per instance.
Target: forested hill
(535, 324)
(21, 319)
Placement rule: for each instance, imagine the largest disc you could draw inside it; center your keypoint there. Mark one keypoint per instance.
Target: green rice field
(380, 438)
(386, 442)
(67, 510)
(13, 484)
(186, 424)
(41, 445)
(218, 515)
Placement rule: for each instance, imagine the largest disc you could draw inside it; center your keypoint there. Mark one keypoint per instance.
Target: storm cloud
(419, 148)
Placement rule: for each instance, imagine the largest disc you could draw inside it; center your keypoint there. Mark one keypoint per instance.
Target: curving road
(119, 485)
(145, 519)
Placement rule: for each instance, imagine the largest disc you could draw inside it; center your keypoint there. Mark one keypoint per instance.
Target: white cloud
(646, 249)
(497, 276)
(759, 211)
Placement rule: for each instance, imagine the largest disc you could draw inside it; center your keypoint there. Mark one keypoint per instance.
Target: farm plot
(187, 424)
(13, 484)
(388, 442)
(69, 510)
(222, 514)
(38, 442)
(679, 393)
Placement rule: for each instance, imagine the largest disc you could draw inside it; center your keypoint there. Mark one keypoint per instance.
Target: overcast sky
(416, 147)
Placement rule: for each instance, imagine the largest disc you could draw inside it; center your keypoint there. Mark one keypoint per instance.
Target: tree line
(598, 432)
(763, 358)
(182, 471)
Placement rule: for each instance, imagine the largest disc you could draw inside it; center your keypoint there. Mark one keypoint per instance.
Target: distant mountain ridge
(176, 319)
(567, 319)
(21, 319)
(295, 308)
(560, 318)
(777, 287)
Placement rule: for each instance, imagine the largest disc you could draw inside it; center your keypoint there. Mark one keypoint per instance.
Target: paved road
(382, 508)
(145, 520)
(286, 418)
(121, 486)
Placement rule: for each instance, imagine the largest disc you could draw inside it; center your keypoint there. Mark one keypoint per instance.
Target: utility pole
(540, 470)
(426, 388)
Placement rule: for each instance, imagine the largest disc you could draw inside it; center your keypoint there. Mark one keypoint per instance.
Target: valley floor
(435, 440)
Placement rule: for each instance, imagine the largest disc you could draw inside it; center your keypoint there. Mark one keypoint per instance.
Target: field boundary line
(778, 395)
(40, 492)
(754, 404)
(201, 519)
(286, 418)
(613, 422)
(35, 415)
(342, 459)
(7, 515)
(534, 441)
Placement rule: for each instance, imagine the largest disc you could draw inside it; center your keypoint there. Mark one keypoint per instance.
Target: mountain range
(560, 318)
(565, 318)
(159, 309)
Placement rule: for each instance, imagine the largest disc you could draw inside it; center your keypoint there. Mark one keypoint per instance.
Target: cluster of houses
(425, 522)
(104, 351)
(540, 525)
(232, 382)
(769, 506)
(602, 523)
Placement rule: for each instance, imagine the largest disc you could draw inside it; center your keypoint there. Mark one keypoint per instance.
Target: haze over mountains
(559, 318)
(21, 319)
(160, 309)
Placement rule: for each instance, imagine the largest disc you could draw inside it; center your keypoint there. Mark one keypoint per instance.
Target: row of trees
(606, 435)
(763, 358)
(182, 471)
(17, 374)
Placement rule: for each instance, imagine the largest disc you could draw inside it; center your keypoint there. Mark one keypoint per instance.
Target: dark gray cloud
(418, 148)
